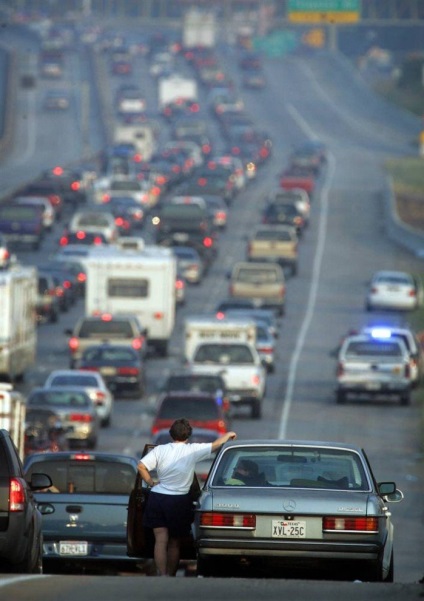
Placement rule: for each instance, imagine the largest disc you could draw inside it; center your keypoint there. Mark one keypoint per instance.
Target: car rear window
(20, 212)
(109, 354)
(224, 354)
(257, 276)
(298, 468)
(60, 398)
(194, 383)
(201, 409)
(115, 328)
(87, 476)
(284, 235)
(377, 349)
(127, 288)
(183, 211)
(74, 381)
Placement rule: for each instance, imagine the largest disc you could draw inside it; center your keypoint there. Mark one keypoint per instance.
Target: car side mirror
(389, 492)
(40, 481)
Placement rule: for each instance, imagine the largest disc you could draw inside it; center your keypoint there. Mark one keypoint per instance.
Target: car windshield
(224, 353)
(300, 467)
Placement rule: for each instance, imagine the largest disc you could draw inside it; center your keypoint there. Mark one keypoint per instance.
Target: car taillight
(80, 417)
(281, 290)
(73, 344)
(63, 241)
(412, 293)
(265, 349)
(255, 380)
(99, 398)
(179, 284)
(221, 215)
(340, 369)
(222, 427)
(350, 524)
(82, 277)
(208, 241)
(407, 370)
(128, 371)
(88, 368)
(212, 519)
(137, 343)
(75, 186)
(16, 495)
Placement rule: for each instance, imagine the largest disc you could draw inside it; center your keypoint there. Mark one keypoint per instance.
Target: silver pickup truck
(241, 368)
(370, 367)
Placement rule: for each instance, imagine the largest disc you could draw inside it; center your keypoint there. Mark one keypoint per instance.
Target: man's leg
(161, 550)
(173, 555)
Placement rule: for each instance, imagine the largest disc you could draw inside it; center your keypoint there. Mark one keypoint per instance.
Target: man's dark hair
(180, 429)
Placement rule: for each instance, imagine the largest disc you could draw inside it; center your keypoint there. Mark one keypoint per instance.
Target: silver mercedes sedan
(278, 506)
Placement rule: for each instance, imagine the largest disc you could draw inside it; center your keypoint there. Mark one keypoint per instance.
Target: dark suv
(21, 540)
(187, 381)
(187, 224)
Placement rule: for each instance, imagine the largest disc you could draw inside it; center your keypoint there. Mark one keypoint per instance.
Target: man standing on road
(169, 508)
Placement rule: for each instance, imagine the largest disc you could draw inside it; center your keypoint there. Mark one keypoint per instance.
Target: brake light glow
(128, 371)
(57, 171)
(340, 369)
(75, 186)
(80, 417)
(350, 524)
(82, 457)
(73, 344)
(211, 519)
(256, 380)
(208, 242)
(16, 495)
(137, 343)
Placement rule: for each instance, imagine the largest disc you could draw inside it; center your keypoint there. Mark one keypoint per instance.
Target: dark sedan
(121, 366)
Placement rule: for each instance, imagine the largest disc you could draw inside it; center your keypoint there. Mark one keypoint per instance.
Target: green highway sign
(324, 11)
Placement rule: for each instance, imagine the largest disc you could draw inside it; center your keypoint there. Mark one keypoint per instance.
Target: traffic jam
(162, 266)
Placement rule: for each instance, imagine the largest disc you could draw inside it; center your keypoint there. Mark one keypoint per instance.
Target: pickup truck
(262, 282)
(276, 244)
(85, 510)
(240, 366)
(371, 367)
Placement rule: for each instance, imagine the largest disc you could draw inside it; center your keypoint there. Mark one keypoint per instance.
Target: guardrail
(399, 232)
(9, 103)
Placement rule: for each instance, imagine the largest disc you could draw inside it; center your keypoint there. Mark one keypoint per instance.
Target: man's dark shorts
(174, 512)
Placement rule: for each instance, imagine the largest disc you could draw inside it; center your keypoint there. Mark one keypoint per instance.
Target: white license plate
(288, 529)
(73, 548)
(180, 237)
(108, 371)
(373, 386)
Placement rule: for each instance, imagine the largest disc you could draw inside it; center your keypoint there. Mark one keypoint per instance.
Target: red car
(298, 177)
(200, 408)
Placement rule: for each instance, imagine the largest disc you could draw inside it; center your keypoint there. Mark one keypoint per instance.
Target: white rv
(18, 330)
(140, 281)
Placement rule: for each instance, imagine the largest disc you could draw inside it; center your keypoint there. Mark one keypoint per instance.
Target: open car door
(140, 540)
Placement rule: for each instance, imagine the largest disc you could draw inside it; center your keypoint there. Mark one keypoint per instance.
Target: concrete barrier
(9, 103)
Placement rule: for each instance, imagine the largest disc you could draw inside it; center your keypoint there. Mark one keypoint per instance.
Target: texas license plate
(73, 548)
(288, 529)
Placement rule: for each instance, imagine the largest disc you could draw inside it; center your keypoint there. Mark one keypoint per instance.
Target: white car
(94, 385)
(396, 290)
(94, 220)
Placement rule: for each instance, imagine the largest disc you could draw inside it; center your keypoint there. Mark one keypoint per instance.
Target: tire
(256, 409)
(29, 565)
(208, 568)
(162, 348)
(105, 423)
(405, 399)
(340, 397)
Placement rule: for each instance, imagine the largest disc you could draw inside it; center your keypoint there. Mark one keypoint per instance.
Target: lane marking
(316, 273)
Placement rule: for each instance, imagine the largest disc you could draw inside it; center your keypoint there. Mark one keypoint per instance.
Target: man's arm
(222, 440)
(144, 473)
